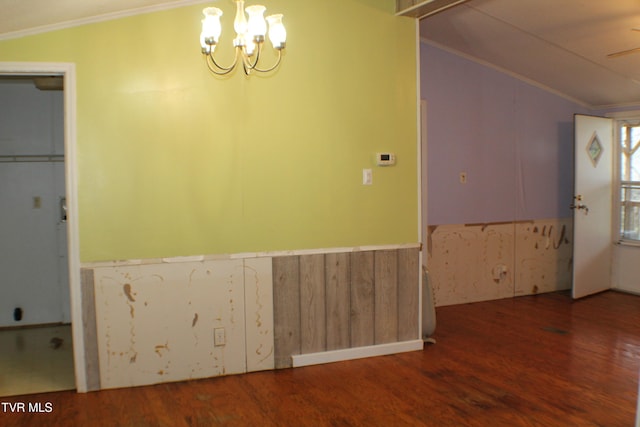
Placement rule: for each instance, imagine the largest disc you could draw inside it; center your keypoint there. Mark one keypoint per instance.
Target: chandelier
(250, 36)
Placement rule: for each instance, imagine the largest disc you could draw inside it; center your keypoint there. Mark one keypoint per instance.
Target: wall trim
(300, 360)
(244, 255)
(421, 147)
(425, 8)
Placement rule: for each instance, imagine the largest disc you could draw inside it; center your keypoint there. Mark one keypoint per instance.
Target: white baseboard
(355, 353)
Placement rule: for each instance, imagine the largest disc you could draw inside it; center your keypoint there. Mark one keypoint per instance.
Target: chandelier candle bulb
(240, 24)
(257, 24)
(249, 40)
(277, 33)
(211, 29)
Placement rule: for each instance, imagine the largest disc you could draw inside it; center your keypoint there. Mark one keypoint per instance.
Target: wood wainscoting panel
(337, 301)
(386, 297)
(362, 299)
(313, 321)
(338, 297)
(286, 309)
(408, 294)
(91, 354)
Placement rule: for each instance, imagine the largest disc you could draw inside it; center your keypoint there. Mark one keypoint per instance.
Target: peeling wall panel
(478, 262)
(464, 261)
(156, 322)
(258, 288)
(544, 256)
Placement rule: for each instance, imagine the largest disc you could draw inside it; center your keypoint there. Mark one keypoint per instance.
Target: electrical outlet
(219, 338)
(500, 272)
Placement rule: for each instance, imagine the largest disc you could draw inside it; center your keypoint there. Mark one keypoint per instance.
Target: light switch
(367, 177)
(463, 177)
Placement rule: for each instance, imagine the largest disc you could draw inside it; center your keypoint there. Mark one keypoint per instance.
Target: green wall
(173, 161)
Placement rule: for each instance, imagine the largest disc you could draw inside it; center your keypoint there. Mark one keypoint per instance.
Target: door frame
(624, 269)
(631, 115)
(68, 72)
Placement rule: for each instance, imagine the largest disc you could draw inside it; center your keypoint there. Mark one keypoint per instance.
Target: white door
(592, 205)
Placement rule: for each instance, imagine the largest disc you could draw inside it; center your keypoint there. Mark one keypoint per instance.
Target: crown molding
(99, 18)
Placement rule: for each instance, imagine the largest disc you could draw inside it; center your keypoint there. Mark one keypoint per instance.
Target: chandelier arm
(246, 64)
(258, 52)
(216, 68)
(246, 59)
(266, 70)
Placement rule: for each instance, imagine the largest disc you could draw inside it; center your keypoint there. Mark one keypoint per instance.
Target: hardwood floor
(531, 361)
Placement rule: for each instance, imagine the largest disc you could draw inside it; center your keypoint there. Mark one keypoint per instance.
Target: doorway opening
(35, 318)
(39, 324)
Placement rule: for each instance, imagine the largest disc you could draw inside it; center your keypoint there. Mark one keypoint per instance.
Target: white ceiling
(558, 44)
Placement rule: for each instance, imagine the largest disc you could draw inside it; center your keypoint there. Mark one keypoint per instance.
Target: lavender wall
(514, 141)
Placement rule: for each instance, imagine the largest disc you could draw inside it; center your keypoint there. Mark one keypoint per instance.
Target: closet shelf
(29, 158)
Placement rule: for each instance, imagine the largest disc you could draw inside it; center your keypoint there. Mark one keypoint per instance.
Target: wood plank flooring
(532, 361)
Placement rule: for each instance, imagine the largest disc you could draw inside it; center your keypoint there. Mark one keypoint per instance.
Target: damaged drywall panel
(478, 262)
(469, 263)
(156, 322)
(544, 255)
(258, 291)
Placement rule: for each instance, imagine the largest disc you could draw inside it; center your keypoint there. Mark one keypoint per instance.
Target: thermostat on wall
(385, 159)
